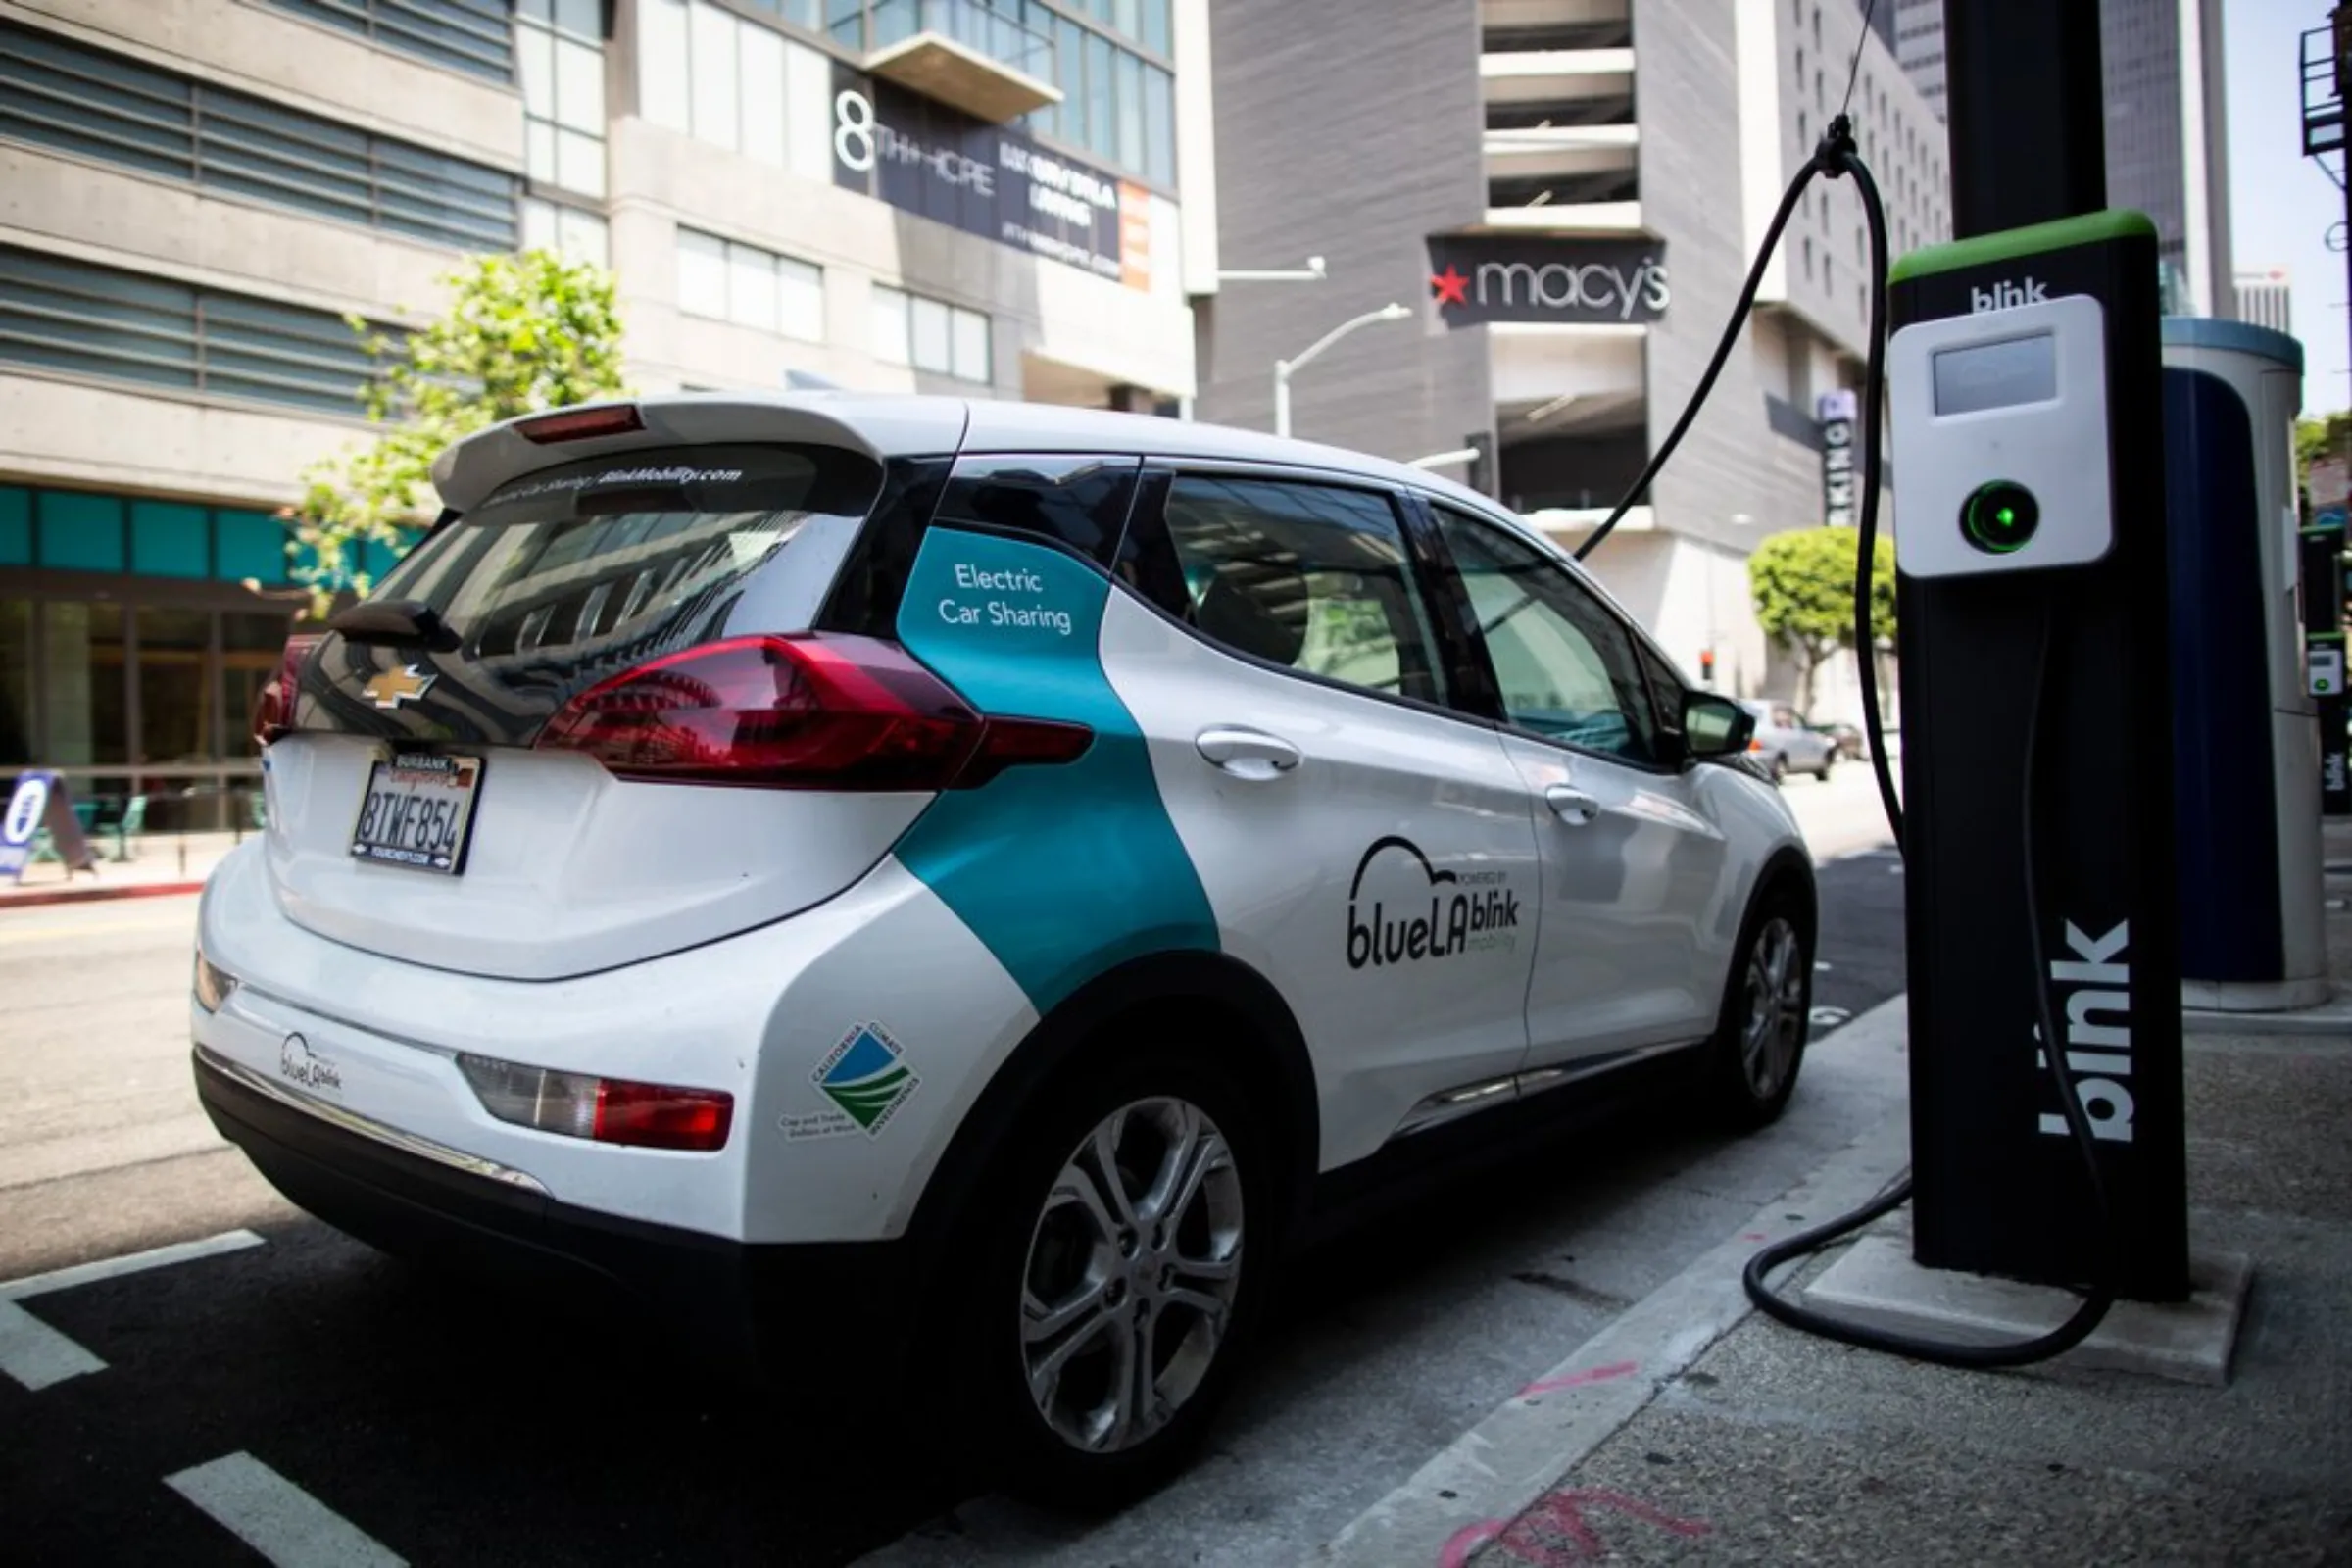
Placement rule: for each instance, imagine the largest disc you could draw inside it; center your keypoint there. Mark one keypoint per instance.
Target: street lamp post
(1284, 370)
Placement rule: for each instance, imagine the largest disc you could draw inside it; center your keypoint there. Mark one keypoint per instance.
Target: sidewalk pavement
(1695, 1430)
(160, 864)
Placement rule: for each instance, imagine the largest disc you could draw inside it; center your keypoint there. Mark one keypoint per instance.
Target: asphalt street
(325, 1401)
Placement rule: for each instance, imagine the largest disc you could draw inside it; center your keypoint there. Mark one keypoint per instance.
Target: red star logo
(1452, 288)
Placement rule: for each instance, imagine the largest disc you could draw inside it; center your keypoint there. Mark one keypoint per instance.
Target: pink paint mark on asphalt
(1563, 1514)
(1752, 1236)
(1467, 1539)
(1576, 1379)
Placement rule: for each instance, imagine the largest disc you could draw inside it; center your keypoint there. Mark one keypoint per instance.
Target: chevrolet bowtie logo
(397, 686)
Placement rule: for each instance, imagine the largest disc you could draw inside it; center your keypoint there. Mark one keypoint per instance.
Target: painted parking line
(39, 1356)
(36, 1355)
(277, 1518)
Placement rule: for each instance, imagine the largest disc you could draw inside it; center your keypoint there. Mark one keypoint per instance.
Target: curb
(1490, 1475)
(140, 889)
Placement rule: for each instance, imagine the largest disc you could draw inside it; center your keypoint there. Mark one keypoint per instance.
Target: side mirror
(1715, 727)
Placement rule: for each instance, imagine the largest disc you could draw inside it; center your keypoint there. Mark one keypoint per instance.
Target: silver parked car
(1784, 743)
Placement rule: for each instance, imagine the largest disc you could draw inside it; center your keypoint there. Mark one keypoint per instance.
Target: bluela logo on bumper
(1464, 913)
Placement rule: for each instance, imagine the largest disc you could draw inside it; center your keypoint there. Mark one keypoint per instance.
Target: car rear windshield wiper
(395, 622)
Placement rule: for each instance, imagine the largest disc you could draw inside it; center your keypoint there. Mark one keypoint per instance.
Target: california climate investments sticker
(867, 1081)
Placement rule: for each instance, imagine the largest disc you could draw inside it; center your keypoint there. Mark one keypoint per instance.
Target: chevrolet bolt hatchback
(902, 884)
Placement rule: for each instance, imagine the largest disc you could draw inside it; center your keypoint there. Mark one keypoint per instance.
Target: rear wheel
(1120, 1264)
(1778, 767)
(1767, 1010)
(1829, 759)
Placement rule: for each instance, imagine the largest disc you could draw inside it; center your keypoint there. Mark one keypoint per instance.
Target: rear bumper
(769, 1309)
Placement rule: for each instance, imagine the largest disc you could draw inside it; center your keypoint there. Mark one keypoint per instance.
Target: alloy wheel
(1133, 1266)
(1775, 1021)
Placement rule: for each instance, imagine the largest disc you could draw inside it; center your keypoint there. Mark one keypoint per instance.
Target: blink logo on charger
(1992, 413)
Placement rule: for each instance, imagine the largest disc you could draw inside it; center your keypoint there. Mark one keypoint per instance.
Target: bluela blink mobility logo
(865, 1077)
(1465, 913)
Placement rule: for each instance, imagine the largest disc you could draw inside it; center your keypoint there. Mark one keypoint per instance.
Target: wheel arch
(1252, 1032)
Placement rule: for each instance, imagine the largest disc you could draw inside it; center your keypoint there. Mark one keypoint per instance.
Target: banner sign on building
(1526, 278)
(1836, 411)
(923, 157)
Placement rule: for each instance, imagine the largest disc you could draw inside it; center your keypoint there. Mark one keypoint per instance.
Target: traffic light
(1706, 667)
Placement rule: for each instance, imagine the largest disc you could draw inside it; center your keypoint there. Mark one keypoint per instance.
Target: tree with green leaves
(2315, 438)
(1803, 583)
(522, 334)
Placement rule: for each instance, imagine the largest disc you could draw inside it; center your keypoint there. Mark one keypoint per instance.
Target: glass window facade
(135, 633)
(59, 313)
(750, 286)
(559, 50)
(94, 104)
(931, 335)
(468, 35)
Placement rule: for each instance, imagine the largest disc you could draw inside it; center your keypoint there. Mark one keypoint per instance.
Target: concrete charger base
(1877, 1283)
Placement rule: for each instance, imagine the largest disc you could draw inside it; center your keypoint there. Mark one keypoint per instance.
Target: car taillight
(813, 712)
(605, 1110)
(581, 425)
(273, 705)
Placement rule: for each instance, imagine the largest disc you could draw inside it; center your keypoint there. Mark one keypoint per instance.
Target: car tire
(1829, 759)
(1778, 767)
(1751, 1065)
(1179, 1275)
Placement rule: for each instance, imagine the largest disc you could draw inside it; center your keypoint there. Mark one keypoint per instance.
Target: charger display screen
(1996, 375)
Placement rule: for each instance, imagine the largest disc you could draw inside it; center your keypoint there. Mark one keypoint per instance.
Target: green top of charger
(2009, 244)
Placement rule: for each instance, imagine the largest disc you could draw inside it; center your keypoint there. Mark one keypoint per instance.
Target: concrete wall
(54, 430)
(1351, 131)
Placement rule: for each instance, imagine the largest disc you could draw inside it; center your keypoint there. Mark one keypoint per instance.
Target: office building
(2168, 150)
(1569, 193)
(942, 195)
(2266, 298)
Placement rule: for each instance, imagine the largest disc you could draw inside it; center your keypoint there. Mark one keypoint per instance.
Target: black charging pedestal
(2001, 1185)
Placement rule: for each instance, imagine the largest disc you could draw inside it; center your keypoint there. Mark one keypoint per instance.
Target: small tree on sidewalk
(522, 334)
(1804, 581)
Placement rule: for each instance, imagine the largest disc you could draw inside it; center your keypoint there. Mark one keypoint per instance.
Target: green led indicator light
(1999, 517)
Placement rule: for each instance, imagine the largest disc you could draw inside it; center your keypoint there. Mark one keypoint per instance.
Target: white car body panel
(570, 870)
(753, 1016)
(1277, 858)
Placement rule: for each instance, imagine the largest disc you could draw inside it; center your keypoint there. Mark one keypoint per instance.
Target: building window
(559, 47)
(570, 232)
(724, 79)
(1808, 261)
(468, 35)
(751, 288)
(57, 313)
(102, 106)
(931, 335)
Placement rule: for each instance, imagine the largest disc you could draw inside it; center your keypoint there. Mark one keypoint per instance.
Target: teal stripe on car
(1061, 871)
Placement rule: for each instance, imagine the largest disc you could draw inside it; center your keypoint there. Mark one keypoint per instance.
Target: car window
(1565, 665)
(1312, 577)
(1666, 689)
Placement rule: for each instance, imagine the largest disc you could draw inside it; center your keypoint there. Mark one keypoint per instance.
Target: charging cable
(1836, 158)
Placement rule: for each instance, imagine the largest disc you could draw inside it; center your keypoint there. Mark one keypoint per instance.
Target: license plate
(417, 811)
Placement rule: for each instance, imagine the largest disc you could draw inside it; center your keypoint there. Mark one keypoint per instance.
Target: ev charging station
(2032, 591)
(2246, 719)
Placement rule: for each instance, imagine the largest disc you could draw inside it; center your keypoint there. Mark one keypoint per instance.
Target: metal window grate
(54, 94)
(474, 37)
(59, 313)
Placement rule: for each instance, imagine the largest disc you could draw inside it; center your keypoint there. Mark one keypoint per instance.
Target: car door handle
(1571, 805)
(1250, 753)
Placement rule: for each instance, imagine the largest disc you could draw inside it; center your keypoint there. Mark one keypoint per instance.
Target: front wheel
(1759, 1040)
(1120, 1274)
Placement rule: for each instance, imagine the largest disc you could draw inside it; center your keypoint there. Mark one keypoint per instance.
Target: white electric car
(886, 879)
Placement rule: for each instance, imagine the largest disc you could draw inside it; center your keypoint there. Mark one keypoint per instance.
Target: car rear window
(620, 556)
(562, 577)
